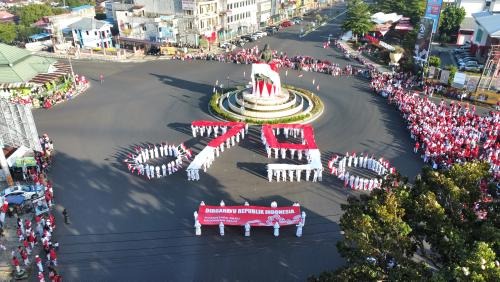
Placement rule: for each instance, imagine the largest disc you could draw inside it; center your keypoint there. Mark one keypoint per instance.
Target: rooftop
(5, 15)
(489, 22)
(19, 65)
(83, 7)
(88, 24)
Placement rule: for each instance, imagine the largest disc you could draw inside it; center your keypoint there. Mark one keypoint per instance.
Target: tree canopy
(29, 14)
(451, 18)
(414, 9)
(445, 227)
(7, 32)
(358, 18)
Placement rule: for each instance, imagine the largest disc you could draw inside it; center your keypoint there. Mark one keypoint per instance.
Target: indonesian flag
(274, 66)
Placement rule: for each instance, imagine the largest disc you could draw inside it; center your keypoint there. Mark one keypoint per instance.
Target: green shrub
(318, 106)
(435, 61)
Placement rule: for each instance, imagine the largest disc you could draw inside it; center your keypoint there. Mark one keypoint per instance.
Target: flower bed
(49, 94)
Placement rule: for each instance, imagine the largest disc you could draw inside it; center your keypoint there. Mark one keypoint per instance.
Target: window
(88, 32)
(479, 35)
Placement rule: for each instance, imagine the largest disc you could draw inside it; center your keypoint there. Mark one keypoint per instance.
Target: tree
(435, 61)
(414, 9)
(7, 32)
(31, 13)
(453, 70)
(385, 230)
(358, 18)
(451, 18)
(76, 3)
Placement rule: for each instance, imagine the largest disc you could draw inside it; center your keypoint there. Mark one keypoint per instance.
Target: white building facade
(91, 33)
(263, 12)
(239, 17)
(200, 19)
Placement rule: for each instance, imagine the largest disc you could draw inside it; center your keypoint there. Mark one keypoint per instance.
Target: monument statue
(265, 78)
(266, 55)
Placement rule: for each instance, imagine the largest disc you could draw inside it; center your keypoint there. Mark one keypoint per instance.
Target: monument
(265, 99)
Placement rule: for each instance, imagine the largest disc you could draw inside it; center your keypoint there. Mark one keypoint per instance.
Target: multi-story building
(468, 25)
(111, 7)
(137, 26)
(239, 17)
(92, 33)
(161, 7)
(263, 12)
(487, 32)
(200, 19)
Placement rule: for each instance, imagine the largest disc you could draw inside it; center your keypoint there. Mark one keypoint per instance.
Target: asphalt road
(124, 228)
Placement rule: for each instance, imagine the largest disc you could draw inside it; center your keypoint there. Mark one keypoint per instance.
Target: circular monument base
(293, 105)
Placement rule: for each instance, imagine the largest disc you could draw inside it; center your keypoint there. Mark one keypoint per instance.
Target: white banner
(445, 75)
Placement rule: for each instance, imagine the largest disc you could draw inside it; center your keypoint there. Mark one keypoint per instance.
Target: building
(20, 66)
(111, 7)
(91, 33)
(263, 12)
(87, 11)
(6, 17)
(468, 25)
(239, 17)
(200, 18)
(162, 7)
(136, 26)
(487, 32)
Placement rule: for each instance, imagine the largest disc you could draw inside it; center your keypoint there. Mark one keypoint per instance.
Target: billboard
(422, 44)
(432, 11)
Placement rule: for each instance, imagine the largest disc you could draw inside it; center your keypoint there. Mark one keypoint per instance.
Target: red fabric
(274, 66)
(269, 88)
(310, 142)
(233, 129)
(260, 84)
(253, 215)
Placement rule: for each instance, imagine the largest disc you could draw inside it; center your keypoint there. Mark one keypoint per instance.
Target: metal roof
(10, 54)
(18, 65)
(88, 24)
(490, 22)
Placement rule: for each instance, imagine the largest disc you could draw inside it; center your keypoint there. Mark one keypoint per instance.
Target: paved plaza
(126, 228)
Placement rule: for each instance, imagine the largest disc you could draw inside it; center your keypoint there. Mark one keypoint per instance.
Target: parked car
(248, 38)
(462, 55)
(472, 66)
(286, 24)
(154, 51)
(461, 48)
(272, 29)
(256, 35)
(296, 20)
(261, 33)
(467, 59)
(29, 192)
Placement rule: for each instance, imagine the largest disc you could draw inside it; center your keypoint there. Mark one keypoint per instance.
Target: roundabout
(265, 99)
(129, 228)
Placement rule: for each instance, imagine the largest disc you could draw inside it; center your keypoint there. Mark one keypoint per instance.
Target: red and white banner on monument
(253, 215)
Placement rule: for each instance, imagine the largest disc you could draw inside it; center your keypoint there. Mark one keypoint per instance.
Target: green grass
(318, 106)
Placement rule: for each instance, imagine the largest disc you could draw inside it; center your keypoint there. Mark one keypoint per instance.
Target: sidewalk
(379, 67)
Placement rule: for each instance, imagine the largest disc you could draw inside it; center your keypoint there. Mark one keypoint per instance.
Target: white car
(29, 192)
(261, 33)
